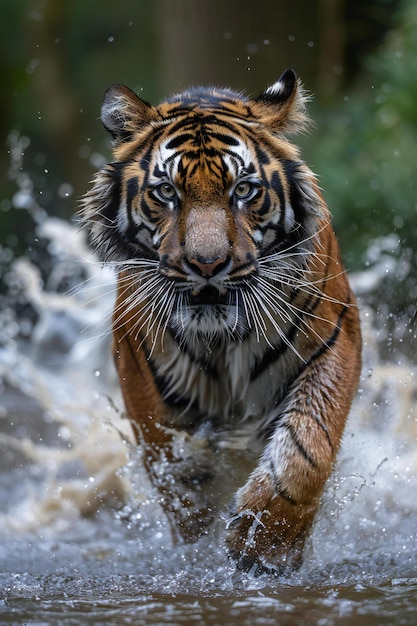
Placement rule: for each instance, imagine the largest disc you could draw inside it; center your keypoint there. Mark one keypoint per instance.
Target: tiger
(234, 315)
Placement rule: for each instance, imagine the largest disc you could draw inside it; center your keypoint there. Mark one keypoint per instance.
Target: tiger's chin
(208, 323)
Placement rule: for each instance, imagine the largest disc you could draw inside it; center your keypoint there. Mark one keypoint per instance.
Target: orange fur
(233, 312)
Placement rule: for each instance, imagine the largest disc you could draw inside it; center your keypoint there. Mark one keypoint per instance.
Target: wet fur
(233, 313)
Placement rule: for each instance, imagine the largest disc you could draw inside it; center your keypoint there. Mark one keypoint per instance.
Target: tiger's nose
(206, 266)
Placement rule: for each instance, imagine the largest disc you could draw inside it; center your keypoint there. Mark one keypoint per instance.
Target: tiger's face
(207, 209)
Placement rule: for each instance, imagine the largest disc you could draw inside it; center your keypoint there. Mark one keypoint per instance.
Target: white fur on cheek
(122, 219)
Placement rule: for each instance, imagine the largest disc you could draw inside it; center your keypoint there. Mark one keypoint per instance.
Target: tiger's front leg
(275, 509)
(179, 472)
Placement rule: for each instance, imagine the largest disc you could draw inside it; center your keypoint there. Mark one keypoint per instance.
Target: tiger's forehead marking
(202, 143)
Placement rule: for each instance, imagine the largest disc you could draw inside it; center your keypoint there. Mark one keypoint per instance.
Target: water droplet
(65, 190)
(252, 48)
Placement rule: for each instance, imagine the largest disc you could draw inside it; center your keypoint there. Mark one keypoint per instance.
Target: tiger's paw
(267, 532)
(258, 545)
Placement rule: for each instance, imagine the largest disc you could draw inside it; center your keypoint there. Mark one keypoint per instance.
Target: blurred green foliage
(367, 161)
(367, 153)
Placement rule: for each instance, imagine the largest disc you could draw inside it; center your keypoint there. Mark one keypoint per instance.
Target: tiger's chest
(234, 384)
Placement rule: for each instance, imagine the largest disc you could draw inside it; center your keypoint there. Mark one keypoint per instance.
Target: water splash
(77, 512)
(66, 442)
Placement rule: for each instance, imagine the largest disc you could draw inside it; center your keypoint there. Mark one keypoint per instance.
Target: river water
(82, 538)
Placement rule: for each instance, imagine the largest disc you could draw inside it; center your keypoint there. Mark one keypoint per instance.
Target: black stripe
(279, 489)
(189, 121)
(280, 235)
(169, 396)
(110, 241)
(146, 158)
(327, 345)
(113, 171)
(160, 381)
(261, 155)
(277, 187)
(226, 139)
(132, 191)
(147, 211)
(324, 429)
(272, 354)
(269, 430)
(194, 154)
(291, 169)
(179, 140)
(263, 210)
(163, 387)
(294, 436)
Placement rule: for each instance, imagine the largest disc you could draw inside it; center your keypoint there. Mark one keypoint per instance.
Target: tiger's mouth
(207, 296)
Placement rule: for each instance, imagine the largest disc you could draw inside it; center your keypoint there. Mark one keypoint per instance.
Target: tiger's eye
(166, 191)
(243, 189)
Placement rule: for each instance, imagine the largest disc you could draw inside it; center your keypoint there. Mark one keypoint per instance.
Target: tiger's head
(207, 208)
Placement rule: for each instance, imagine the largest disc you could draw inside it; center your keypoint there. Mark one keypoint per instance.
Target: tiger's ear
(123, 113)
(281, 107)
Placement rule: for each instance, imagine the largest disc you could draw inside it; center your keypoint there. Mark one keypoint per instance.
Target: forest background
(358, 58)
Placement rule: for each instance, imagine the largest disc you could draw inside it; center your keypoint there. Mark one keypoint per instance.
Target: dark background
(357, 57)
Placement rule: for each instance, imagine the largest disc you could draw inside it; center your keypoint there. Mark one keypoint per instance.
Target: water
(82, 537)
